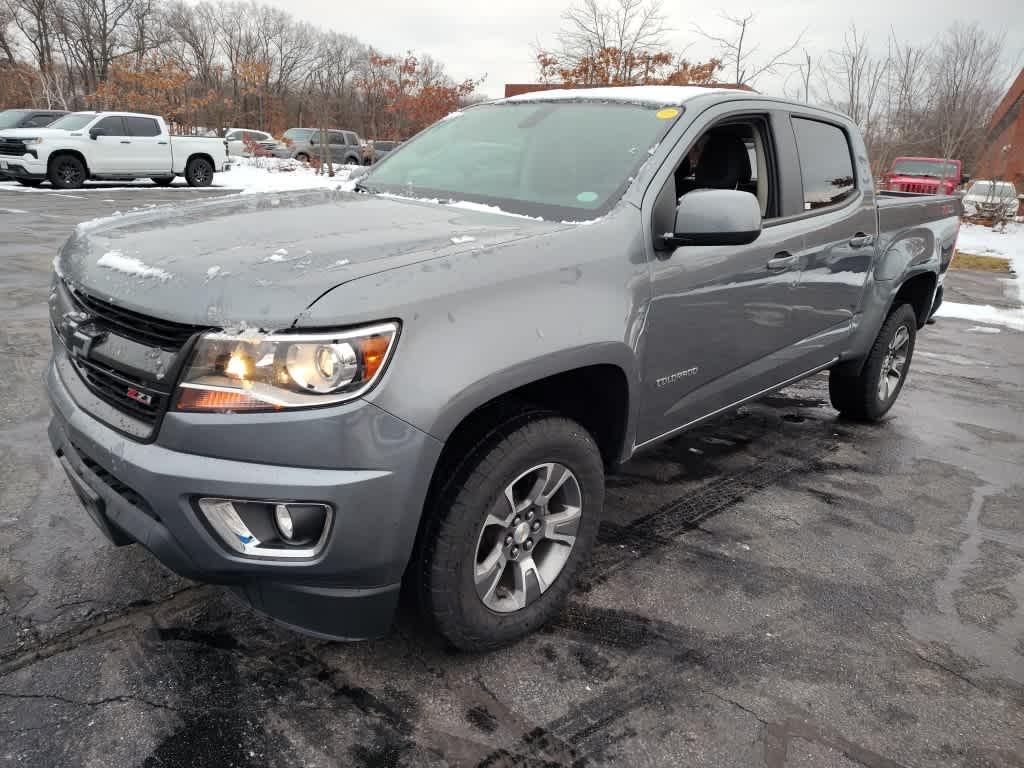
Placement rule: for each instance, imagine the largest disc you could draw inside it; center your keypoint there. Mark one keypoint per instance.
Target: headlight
(32, 142)
(253, 372)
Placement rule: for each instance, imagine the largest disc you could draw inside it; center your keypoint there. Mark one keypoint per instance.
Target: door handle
(161, 142)
(123, 141)
(860, 240)
(781, 261)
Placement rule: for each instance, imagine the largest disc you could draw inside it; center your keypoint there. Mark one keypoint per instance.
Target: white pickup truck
(108, 145)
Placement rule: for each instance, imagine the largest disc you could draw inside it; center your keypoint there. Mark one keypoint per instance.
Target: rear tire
(302, 157)
(869, 394)
(163, 181)
(29, 182)
(199, 172)
(67, 172)
(501, 550)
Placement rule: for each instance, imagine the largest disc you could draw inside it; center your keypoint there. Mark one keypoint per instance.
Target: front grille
(134, 325)
(921, 189)
(113, 387)
(12, 147)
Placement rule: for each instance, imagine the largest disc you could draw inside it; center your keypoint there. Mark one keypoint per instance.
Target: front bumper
(24, 167)
(145, 493)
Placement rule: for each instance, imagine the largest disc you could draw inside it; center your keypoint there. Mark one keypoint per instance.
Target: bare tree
(966, 74)
(620, 30)
(744, 58)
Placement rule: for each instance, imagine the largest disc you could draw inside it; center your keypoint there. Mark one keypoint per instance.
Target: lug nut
(528, 545)
(515, 552)
(529, 515)
(516, 520)
(535, 526)
(508, 540)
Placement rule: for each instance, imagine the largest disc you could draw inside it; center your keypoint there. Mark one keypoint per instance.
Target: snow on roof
(658, 95)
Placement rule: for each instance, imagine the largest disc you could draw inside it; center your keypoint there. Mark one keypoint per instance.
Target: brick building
(1003, 156)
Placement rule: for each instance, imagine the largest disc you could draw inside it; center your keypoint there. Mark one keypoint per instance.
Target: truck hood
(31, 133)
(260, 260)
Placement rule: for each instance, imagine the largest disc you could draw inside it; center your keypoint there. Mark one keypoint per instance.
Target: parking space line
(73, 197)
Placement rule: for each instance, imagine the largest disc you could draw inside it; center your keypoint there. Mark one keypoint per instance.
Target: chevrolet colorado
(318, 398)
(108, 145)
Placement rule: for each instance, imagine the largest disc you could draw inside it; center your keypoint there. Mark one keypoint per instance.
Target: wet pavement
(776, 588)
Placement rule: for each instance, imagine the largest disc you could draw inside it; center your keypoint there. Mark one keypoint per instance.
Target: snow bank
(984, 313)
(271, 174)
(1007, 244)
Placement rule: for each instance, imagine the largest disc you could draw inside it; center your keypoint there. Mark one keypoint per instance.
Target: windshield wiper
(360, 187)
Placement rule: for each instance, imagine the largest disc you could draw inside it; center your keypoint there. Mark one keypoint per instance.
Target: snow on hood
(32, 133)
(656, 95)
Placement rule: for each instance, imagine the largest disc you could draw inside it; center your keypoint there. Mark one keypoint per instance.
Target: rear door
(150, 150)
(841, 226)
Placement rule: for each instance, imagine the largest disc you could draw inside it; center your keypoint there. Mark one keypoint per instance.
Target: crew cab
(108, 145)
(924, 176)
(320, 397)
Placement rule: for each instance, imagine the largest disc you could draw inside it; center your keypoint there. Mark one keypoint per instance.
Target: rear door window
(142, 126)
(826, 163)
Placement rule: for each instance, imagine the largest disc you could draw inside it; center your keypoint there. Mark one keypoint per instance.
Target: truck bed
(903, 210)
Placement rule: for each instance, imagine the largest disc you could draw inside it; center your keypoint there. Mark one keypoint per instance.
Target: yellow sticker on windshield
(666, 114)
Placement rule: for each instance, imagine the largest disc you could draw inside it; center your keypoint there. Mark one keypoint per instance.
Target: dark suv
(29, 118)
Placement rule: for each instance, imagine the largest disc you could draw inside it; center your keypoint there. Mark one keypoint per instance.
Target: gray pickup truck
(319, 398)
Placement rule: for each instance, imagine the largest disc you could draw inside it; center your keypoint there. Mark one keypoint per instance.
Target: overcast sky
(496, 37)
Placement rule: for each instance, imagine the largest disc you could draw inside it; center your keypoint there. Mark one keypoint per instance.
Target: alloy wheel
(527, 537)
(894, 364)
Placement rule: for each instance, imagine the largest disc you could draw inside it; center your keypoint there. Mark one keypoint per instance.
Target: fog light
(269, 529)
(284, 521)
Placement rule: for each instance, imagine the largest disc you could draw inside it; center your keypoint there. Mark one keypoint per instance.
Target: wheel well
(918, 291)
(596, 396)
(77, 155)
(201, 156)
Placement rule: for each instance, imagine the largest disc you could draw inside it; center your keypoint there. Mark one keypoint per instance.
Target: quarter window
(826, 164)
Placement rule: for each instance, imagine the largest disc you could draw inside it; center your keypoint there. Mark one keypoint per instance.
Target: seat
(724, 163)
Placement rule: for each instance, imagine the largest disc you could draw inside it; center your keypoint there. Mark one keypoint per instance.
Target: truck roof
(657, 95)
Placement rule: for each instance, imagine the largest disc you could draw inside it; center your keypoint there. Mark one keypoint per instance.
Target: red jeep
(924, 175)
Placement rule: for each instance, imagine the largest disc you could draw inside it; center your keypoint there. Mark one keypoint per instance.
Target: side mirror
(95, 133)
(716, 217)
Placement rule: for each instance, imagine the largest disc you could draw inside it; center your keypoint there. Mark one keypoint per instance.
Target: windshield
(73, 121)
(10, 118)
(988, 189)
(556, 160)
(924, 168)
(298, 134)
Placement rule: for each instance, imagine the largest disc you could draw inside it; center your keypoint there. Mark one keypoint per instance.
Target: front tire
(67, 172)
(199, 172)
(506, 538)
(869, 394)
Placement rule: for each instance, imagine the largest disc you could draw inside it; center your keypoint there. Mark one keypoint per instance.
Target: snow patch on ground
(129, 265)
(460, 239)
(984, 313)
(1006, 244)
(271, 174)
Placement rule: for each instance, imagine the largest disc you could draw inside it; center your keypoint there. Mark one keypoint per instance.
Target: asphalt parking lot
(776, 588)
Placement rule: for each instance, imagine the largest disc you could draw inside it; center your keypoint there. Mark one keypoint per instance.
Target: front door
(720, 324)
